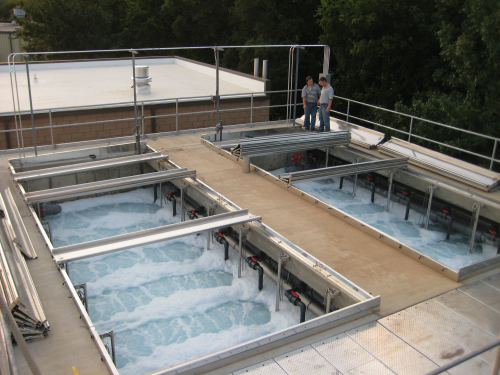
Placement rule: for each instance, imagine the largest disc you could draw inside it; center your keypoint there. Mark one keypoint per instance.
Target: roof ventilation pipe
(142, 79)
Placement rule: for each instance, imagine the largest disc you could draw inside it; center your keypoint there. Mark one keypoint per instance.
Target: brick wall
(89, 131)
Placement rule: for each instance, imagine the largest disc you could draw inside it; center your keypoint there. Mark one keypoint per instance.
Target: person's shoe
(306, 128)
(313, 130)
(320, 130)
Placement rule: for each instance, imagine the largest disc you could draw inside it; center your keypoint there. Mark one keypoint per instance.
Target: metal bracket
(329, 295)
(243, 232)
(392, 172)
(283, 258)
(476, 208)
(183, 214)
(111, 335)
(81, 290)
(431, 189)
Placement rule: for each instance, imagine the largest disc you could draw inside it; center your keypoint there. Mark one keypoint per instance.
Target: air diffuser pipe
(312, 305)
(220, 238)
(254, 264)
(294, 299)
(438, 217)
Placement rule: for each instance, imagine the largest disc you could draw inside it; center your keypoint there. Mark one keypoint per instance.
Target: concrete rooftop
(103, 82)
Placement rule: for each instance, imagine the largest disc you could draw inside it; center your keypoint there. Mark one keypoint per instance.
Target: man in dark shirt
(310, 96)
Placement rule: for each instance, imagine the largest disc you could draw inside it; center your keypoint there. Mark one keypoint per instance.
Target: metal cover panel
(493, 281)
(359, 135)
(440, 163)
(472, 310)
(349, 357)
(306, 361)
(391, 350)
(484, 293)
(344, 170)
(422, 337)
(453, 326)
(264, 368)
(107, 185)
(90, 166)
(148, 236)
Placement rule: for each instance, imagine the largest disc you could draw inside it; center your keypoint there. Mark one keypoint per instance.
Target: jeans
(324, 118)
(310, 115)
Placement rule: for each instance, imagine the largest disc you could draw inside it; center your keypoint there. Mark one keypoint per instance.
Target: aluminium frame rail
(343, 170)
(276, 144)
(108, 245)
(104, 186)
(27, 307)
(444, 165)
(89, 166)
(15, 227)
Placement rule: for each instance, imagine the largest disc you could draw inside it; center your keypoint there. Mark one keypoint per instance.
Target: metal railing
(142, 117)
(411, 134)
(458, 361)
(216, 49)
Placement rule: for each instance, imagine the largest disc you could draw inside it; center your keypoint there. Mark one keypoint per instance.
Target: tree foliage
(6, 7)
(438, 59)
(54, 25)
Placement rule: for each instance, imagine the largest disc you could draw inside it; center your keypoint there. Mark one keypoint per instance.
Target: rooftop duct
(142, 79)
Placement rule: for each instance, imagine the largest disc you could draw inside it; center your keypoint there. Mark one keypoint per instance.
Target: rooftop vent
(142, 79)
(19, 13)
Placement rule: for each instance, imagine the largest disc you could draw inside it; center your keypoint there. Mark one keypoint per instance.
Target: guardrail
(411, 134)
(496, 364)
(142, 117)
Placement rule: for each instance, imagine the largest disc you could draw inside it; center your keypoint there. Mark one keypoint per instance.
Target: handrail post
(476, 209)
(137, 135)
(411, 128)
(295, 92)
(142, 117)
(31, 105)
(51, 132)
(251, 109)
(495, 370)
(348, 108)
(177, 114)
(493, 155)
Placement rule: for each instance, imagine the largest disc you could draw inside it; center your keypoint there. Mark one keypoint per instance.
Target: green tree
(383, 51)
(469, 97)
(6, 7)
(63, 25)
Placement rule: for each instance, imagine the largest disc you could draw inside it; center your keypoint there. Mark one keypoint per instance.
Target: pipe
(169, 196)
(439, 218)
(312, 305)
(294, 299)
(254, 264)
(192, 215)
(407, 213)
(373, 192)
(219, 237)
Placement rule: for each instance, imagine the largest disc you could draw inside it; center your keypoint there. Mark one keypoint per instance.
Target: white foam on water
(165, 302)
(452, 253)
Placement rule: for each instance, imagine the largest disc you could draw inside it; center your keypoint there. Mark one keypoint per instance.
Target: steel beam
(344, 170)
(107, 185)
(281, 143)
(149, 236)
(90, 166)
